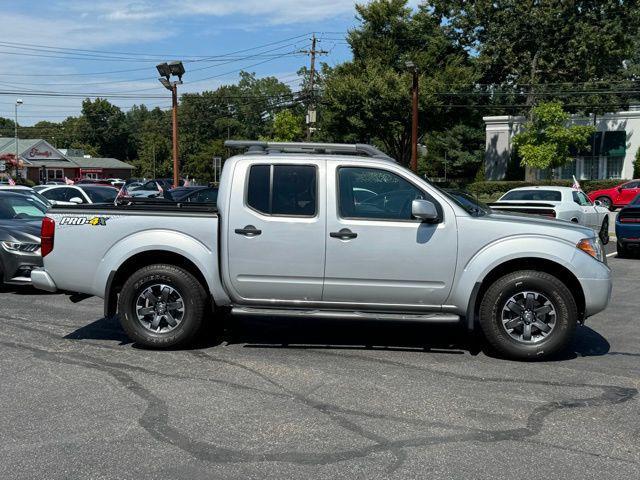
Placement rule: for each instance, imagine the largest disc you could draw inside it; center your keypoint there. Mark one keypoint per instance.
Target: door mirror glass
(598, 203)
(76, 200)
(424, 210)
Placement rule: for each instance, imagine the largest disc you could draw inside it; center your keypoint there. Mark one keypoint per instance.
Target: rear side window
(539, 195)
(288, 190)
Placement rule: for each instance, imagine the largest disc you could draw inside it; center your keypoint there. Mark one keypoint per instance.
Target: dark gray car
(20, 221)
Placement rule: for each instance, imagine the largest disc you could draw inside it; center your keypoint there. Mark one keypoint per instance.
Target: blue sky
(139, 33)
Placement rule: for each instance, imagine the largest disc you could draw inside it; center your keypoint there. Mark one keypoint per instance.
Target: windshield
(101, 194)
(543, 195)
(21, 207)
(467, 201)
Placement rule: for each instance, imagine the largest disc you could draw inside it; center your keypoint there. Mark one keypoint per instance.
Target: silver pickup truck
(328, 230)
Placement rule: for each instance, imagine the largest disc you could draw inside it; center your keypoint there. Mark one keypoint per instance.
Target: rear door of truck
(276, 229)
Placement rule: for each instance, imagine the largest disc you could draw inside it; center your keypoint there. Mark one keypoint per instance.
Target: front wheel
(528, 315)
(162, 306)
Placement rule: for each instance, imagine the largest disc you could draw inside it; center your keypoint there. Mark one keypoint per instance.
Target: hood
(540, 222)
(27, 231)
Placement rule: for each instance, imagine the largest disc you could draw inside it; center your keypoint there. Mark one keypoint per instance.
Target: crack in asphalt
(155, 419)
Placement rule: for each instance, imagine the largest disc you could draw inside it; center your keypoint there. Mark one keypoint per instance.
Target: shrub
(636, 165)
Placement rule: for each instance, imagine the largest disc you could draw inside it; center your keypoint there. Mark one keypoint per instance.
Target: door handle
(249, 231)
(343, 234)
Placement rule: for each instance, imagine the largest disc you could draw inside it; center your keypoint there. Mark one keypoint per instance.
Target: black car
(20, 221)
(197, 194)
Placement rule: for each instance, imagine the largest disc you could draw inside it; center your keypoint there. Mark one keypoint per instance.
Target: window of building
(289, 190)
(614, 167)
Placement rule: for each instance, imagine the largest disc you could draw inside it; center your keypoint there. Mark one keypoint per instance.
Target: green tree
(555, 49)
(287, 126)
(546, 140)
(368, 99)
(103, 125)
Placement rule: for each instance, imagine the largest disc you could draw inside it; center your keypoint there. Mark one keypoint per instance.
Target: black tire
(511, 285)
(606, 202)
(622, 251)
(604, 231)
(193, 298)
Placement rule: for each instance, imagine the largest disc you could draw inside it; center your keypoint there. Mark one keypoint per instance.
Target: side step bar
(436, 317)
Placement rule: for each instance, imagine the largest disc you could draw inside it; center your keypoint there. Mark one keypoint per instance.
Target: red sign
(34, 152)
(90, 170)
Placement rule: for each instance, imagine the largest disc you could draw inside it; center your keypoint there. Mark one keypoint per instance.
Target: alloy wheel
(528, 317)
(160, 308)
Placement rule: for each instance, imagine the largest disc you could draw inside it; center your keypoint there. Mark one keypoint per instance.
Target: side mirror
(76, 200)
(424, 210)
(597, 203)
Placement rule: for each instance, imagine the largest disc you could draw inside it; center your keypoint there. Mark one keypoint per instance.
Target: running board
(436, 317)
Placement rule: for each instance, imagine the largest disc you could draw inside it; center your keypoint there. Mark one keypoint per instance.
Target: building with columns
(616, 143)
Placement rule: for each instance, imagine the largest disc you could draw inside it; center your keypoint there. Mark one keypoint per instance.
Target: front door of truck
(377, 254)
(275, 231)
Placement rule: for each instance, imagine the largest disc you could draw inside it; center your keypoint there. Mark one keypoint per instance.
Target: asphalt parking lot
(276, 399)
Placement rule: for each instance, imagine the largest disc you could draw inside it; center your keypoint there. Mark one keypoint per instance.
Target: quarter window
(288, 190)
(375, 194)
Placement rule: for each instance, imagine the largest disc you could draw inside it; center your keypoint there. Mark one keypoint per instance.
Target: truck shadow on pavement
(286, 333)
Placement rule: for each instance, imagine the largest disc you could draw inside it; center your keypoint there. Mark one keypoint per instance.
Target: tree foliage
(546, 140)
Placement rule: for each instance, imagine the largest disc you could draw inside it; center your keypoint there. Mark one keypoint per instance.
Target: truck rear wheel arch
(515, 265)
(117, 278)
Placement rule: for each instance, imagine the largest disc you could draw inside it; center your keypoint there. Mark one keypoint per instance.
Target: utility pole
(18, 103)
(414, 117)
(311, 113)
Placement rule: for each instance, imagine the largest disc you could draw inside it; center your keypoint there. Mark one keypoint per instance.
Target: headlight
(21, 247)
(593, 247)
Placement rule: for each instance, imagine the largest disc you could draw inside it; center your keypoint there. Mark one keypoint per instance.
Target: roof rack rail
(257, 147)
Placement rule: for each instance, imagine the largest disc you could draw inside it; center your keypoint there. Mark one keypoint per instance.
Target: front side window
(289, 190)
(584, 200)
(375, 194)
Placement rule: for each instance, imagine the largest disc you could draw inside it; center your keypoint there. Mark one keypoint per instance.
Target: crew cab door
(379, 256)
(276, 231)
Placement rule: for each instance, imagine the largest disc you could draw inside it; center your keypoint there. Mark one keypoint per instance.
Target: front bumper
(42, 280)
(16, 267)
(597, 294)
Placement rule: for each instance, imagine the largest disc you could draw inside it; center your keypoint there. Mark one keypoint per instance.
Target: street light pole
(174, 117)
(166, 70)
(18, 102)
(414, 116)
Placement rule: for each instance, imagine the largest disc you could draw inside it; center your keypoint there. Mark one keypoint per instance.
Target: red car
(617, 197)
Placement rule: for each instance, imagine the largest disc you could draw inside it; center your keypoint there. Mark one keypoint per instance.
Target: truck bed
(91, 240)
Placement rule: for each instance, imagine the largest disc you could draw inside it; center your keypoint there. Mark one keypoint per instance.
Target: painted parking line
(611, 254)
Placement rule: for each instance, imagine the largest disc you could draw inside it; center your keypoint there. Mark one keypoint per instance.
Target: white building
(617, 140)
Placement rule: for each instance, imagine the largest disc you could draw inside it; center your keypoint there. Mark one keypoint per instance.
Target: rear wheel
(622, 251)
(606, 202)
(162, 306)
(604, 231)
(528, 315)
